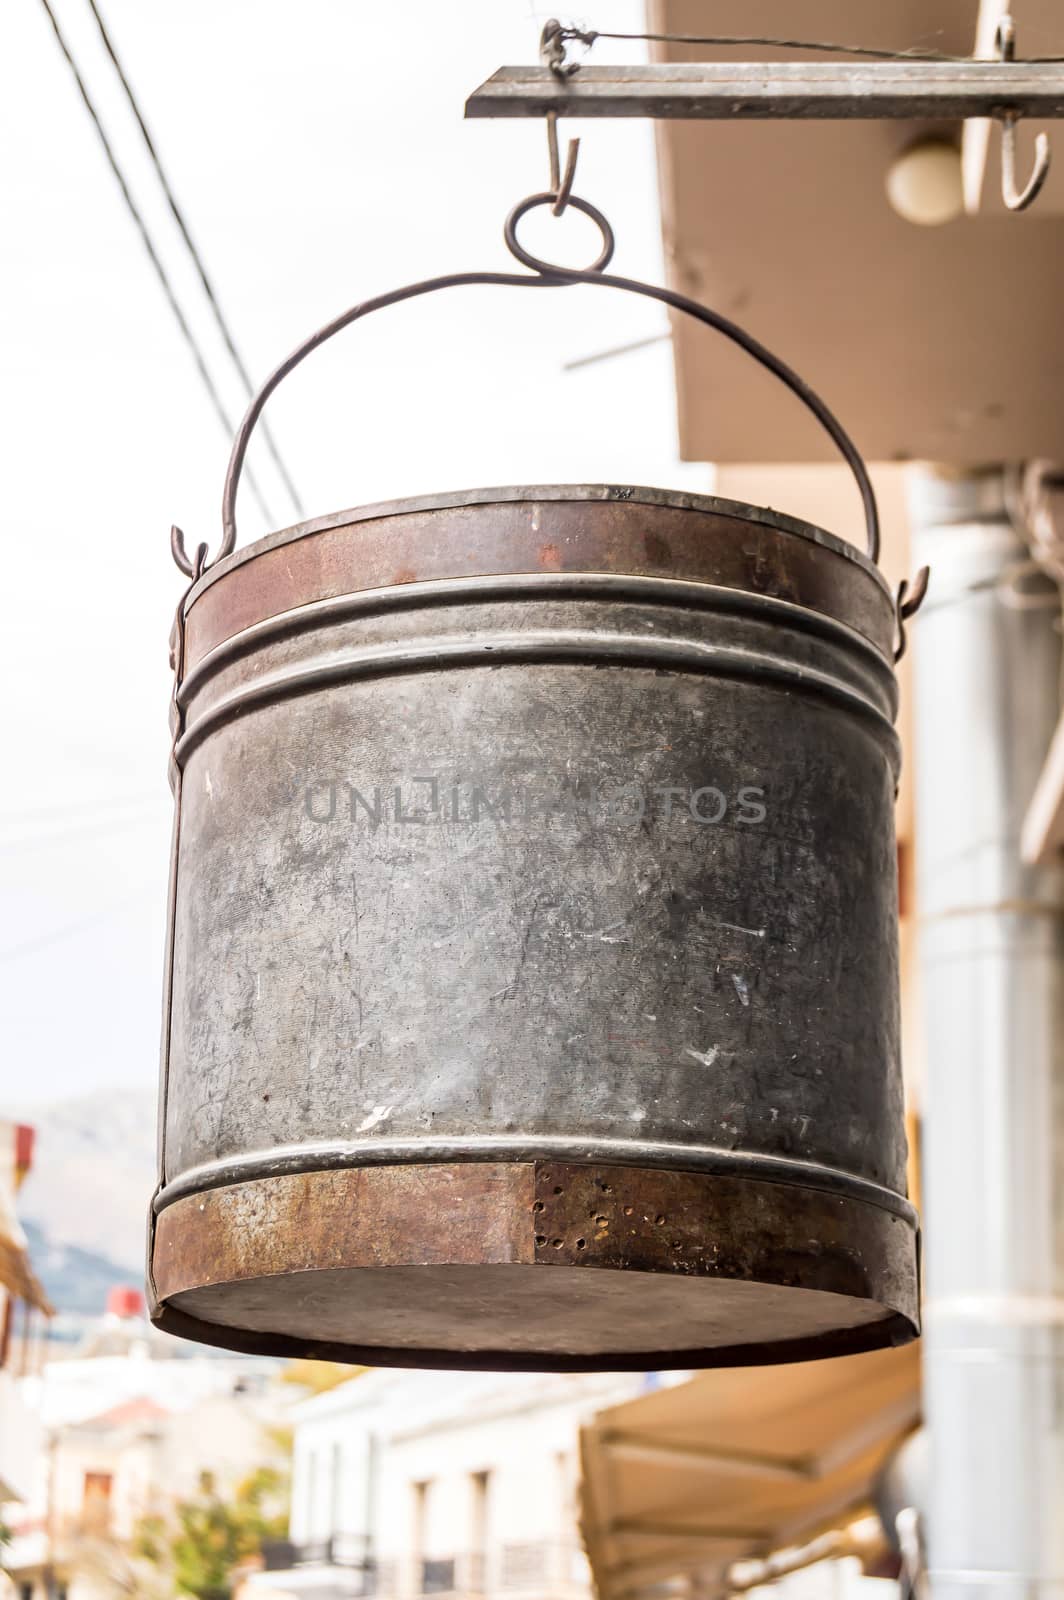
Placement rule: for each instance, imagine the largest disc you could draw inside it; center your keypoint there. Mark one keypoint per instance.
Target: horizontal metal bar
(650, 1529)
(771, 89)
(741, 1464)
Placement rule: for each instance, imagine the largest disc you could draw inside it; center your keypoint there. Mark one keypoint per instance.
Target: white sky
(320, 153)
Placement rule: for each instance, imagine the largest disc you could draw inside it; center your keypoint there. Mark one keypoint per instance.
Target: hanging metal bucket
(533, 993)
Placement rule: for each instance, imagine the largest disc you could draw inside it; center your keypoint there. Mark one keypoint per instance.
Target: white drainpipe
(986, 653)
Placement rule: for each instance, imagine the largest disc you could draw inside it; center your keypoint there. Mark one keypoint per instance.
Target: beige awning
(16, 1273)
(18, 1277)
(737, 1464)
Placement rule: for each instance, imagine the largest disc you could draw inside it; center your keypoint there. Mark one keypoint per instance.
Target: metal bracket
(911, 89)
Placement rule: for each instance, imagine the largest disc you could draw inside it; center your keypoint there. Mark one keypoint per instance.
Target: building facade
(127, 1427)
(23, 1310)
(422, 1483)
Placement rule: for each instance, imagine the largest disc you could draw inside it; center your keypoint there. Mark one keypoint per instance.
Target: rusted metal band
(557, 530)
(559, 646)
(592, 494)
(708, 1159)
(682, 593)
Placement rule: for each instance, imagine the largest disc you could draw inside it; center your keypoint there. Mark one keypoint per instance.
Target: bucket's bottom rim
(533, 1266)
(889, 1333)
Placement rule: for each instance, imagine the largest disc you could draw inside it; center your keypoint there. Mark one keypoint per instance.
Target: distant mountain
(84, 1204)
(76, 1281)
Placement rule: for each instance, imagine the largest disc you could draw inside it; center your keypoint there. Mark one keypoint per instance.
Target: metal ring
(573, 202)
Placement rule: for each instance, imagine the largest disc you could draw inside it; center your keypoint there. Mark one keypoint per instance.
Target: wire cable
(153, 255)
(208, 286)
(588, 36)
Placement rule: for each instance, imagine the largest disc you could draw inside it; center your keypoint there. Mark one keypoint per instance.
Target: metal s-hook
(561, 184)
(552, 54)
(1017, 199)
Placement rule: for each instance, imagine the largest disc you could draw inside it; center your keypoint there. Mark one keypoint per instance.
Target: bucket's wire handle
(544, 275)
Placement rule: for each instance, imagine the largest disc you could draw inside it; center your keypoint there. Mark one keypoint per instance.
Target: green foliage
(210, 1535)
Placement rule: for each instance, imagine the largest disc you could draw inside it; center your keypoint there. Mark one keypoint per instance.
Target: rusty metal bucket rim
(321, 1155)
(678, 499)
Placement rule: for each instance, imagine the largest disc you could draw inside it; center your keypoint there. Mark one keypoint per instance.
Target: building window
(479, 1488)
(96, 1502)
(25, 1591)
(419, 1514)
(437, 1577)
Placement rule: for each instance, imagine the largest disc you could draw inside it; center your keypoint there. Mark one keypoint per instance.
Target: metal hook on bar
(1017, 199)
(1020, 199)
(561, 184)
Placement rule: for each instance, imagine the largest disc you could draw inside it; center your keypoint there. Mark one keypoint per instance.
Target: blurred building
(127, 1426)
(24, 1309)
(424, 1483)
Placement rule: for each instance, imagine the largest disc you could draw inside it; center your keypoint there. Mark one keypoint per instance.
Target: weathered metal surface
(925, 90)
(713, 1226)
(468, 1215)
(287, 1258)
(587, 859)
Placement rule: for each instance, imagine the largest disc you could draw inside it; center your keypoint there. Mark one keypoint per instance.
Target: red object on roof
(140, 1409)
(24, 1140)
(125, 1301)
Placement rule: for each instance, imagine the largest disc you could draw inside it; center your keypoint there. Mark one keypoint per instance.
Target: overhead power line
(208, 286)
(160, 271)
(616, 350)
